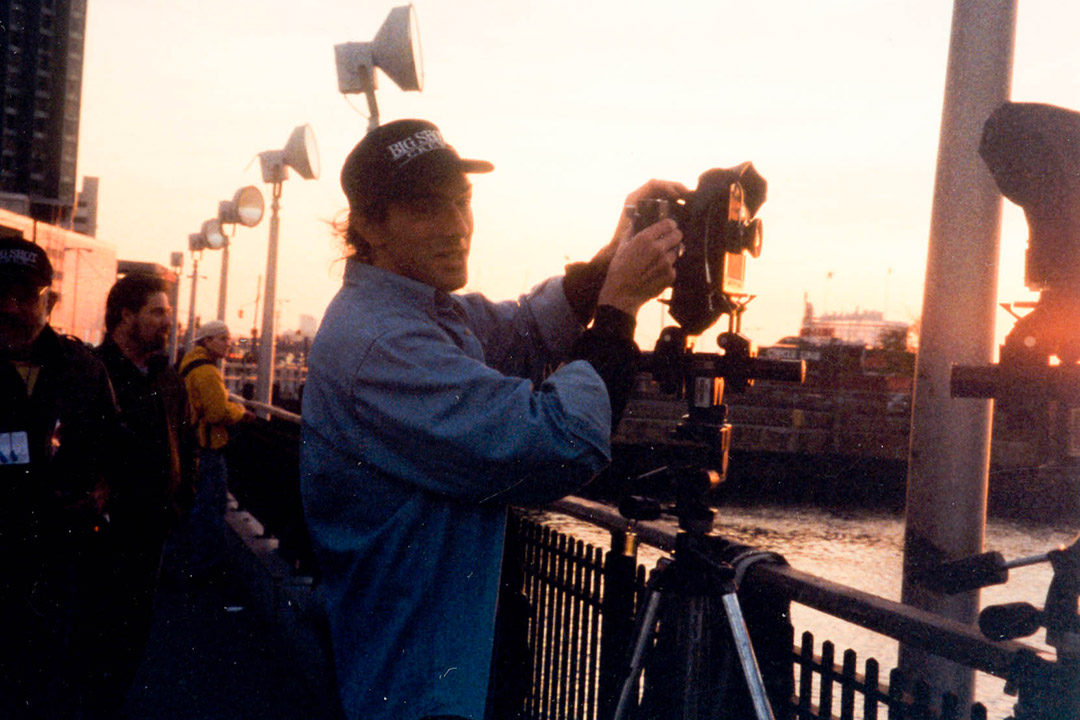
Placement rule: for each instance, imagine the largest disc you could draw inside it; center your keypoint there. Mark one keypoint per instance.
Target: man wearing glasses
(57, 422)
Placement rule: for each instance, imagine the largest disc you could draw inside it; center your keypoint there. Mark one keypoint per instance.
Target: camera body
(719, 229)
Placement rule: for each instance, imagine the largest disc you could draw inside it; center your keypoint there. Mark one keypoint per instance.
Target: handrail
(914, 627)
(272, 410)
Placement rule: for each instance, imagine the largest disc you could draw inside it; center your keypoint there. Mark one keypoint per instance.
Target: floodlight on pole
(395, 50)
(301, 154)
(209, 237)
(245, 208)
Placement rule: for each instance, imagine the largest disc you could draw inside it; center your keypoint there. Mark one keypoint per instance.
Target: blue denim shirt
(425, 415)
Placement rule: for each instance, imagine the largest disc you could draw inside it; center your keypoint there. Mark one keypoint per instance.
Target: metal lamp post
(246, 208)
(176, 262)
(301, 154)
(395, 49)
(210, 237)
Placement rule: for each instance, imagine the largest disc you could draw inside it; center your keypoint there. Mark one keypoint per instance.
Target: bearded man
(155, 487)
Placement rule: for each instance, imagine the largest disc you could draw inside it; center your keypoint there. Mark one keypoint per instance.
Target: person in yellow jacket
(212, 413)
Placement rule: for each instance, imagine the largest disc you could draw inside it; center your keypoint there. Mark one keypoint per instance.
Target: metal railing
(583, 599)
(817, 680)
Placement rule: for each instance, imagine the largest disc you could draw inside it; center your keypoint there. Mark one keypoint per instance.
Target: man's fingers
(658, 231)
(665, 237)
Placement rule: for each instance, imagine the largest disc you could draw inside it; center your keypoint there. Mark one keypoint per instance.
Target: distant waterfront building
(308, 326)
(863, 328)
(41, 64)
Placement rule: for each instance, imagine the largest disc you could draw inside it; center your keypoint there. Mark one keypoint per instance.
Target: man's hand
(652, 189)
(642, 267)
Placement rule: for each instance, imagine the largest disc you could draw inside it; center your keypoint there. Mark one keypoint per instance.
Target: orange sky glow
(837, 103)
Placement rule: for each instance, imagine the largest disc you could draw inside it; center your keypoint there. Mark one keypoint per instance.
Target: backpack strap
(194, 364)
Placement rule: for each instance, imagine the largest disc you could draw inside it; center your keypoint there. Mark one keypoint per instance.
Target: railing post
(617, 619)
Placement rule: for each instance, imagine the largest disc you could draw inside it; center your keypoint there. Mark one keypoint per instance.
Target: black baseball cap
(24, 262)
(399, 159)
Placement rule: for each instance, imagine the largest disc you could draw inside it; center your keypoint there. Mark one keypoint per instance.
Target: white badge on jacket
(14, 448)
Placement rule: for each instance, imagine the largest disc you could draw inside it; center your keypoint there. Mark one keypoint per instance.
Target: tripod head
(702, 438)
(720, 228)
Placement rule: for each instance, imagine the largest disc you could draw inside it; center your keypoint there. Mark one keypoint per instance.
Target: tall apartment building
(41, 64)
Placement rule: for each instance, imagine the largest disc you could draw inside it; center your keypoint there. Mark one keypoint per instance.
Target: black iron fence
(582, 602)
(562, 580)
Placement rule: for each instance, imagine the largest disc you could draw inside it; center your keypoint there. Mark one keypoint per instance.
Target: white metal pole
(223, 286)
(948, 461)
(174, 299)
(189, 334)
(267, 345)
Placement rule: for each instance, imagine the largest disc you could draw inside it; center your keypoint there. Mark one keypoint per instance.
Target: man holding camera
(427, 413)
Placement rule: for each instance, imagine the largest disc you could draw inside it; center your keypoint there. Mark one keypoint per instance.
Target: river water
(863, 550)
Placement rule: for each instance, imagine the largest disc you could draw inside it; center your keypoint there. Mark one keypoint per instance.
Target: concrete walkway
(223, 650)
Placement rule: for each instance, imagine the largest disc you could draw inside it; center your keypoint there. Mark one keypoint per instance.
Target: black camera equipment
(690, 618)
(1046, 690)
(719, 229)
(1033, 152)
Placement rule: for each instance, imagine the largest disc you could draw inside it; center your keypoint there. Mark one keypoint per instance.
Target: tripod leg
(745, 649)
(637, 660)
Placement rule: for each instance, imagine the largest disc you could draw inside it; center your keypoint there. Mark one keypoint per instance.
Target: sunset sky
(836, 102)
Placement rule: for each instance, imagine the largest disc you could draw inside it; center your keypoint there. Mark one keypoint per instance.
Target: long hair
(344, 226)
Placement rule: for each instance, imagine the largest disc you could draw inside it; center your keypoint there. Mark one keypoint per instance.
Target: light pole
(223, 282)
(209, 237)
(176, 261)
(395, 49)
(301, 154)
(189, 331)
(246, 208)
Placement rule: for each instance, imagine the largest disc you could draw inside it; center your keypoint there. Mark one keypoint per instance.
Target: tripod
(680, 642)
(679, 637)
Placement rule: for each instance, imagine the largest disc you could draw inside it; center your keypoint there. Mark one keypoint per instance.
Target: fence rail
(943, 637)
(582, 602)
(572, 680)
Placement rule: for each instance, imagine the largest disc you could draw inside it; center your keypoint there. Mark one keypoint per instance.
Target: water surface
(864, 550)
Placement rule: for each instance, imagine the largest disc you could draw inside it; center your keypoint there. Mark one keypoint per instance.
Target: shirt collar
(397, 288)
